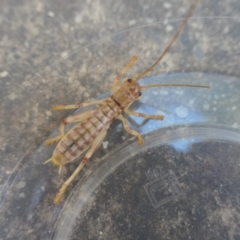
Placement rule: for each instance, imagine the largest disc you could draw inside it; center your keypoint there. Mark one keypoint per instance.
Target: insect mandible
(92, 125)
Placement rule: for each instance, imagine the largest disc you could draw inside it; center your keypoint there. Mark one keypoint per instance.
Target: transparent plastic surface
(158, 192)
(183, 182)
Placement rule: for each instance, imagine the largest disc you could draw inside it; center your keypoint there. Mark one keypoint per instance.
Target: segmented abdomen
(80, 137)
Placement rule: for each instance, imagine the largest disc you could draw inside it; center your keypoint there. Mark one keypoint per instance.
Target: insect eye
(140, 93)
(129, 80)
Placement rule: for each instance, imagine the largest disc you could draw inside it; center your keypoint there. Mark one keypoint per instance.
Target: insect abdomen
(80, 137)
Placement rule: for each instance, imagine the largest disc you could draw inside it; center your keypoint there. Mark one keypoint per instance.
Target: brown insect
(92, 128)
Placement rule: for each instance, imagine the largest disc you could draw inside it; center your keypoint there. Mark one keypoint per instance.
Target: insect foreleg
(131, 131)
(78, 105)
(79, 117)
(137, 114)
(96, 143)
(124, 70)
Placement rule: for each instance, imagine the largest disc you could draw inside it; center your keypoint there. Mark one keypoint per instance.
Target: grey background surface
(51, 54)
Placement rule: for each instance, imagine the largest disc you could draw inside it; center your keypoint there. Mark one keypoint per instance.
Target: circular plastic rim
(124, 152)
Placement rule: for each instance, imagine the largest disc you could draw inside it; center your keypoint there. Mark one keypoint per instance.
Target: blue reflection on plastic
(37, 194)
(183, 145)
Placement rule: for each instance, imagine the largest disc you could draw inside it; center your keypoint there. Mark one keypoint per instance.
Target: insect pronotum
(92, 125)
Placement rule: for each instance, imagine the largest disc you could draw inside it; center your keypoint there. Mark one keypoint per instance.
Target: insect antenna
(179, 30)
(173, 85)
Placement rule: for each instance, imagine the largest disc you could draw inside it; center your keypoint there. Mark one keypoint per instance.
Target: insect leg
(96, 143)
(131, 131)
(78, 105)
(79, 117)
(57, 138)
(137, 114)
(124, 70)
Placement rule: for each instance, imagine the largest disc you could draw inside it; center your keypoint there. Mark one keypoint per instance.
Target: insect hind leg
(96, 143)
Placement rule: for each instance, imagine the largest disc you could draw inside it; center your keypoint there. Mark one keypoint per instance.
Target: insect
(92, 125)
